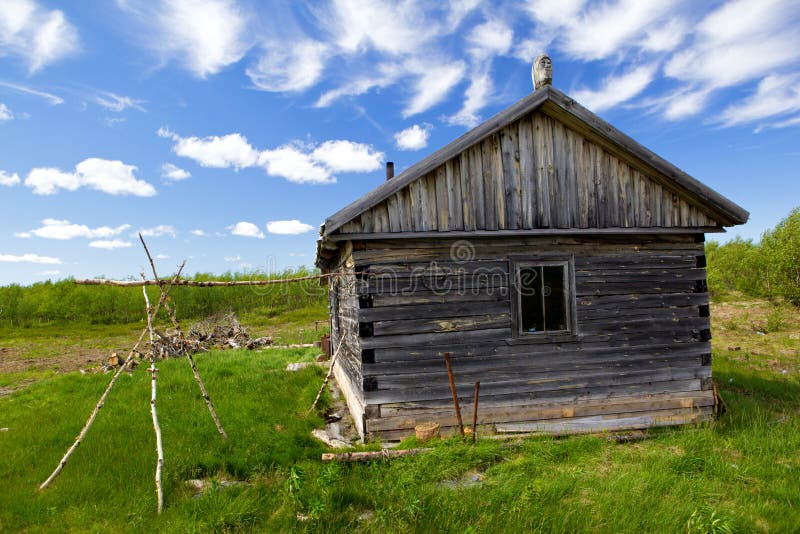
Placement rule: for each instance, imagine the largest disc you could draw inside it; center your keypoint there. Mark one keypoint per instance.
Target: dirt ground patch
(12, 360)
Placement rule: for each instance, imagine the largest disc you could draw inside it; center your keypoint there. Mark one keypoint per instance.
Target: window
(544, 297)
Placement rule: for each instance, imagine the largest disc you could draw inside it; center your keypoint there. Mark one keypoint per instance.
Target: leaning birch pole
(206, 398)
(103, 397)
(195, 371)
(153, 372)
(325, 382)
(197, 377)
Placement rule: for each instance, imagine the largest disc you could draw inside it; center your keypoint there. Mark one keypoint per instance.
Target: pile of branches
(217, 332)
(225, 332)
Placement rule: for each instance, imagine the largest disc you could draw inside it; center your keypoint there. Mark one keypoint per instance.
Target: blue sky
(228, 130)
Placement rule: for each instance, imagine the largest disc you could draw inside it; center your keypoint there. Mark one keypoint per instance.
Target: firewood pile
(218, 332)
(225, 332)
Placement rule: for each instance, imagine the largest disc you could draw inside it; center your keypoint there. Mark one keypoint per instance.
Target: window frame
(516, 263)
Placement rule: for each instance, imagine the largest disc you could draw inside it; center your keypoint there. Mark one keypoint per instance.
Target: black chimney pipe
(389, 170)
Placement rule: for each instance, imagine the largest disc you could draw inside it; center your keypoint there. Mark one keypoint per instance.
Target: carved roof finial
(542, 71)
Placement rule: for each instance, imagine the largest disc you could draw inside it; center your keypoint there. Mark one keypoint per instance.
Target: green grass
(737, 474)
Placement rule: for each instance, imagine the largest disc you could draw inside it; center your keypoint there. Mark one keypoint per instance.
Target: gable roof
(564, 109)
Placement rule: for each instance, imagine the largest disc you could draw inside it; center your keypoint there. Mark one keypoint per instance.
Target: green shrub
(769, 268)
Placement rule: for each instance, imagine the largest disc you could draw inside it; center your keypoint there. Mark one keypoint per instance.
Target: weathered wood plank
(499, 184)
(392, 209)
(489, 187)
(452, 172)
(527, 170)
(579, 350)
(542, 163)
(522, 386)
(467, 195)
(425, 311)
(538, 411)
(511, 176)
(427, 338)
(681, 387)
(476, 185)
(440, 324)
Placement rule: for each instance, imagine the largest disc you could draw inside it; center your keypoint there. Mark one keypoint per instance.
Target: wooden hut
(558, 261)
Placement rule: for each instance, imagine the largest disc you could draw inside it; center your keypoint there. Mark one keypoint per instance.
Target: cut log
(368, 456)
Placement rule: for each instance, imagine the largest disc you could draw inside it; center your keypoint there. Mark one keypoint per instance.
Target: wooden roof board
(553, 103)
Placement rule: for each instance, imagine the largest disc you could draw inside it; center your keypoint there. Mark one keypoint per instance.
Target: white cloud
(162, 257)
(775, 95)
(390, 27)
(29, 258)
(63, 230)
(347, 156)
(109, 176)
(158, 231)
(5, 113)
(665, 37)
(233, 259)
(683, 104)
(198, 233)
(173, 173)
(204, 35)
(110, 244)
(50, 98)
(414, 137)
(48, 180)
(53, 272)
(477, 94)
(292, 227)
(246, 229)
(39, 35)
(489, 39)
(297, 162)
(616, 89)
(554, 12)
(738, 42)
(117, 103)
(9, 179)
(606, 28)
(388, 73)
(286, 67)
(232, 150)
(294, 164)
(792, 121)
(433, 83)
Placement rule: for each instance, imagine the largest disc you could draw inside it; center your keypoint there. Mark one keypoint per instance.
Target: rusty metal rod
(475, 412)
(454, 392)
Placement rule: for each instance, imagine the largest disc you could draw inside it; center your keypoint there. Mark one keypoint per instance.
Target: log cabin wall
(535, 173)
(345, 342)
(638, 352)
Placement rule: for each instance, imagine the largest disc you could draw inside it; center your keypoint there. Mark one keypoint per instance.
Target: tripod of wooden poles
(151, 312)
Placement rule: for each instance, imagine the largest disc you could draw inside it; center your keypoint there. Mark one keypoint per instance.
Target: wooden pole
(103, 397)
(454, 392)
(153, 372)
(198, 283)
(325, 382)
(475, 412)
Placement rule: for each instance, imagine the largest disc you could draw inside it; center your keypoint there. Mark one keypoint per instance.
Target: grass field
(737, 474)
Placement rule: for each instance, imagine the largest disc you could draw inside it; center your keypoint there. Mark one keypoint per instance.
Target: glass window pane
(555, 310)
(531, 300)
